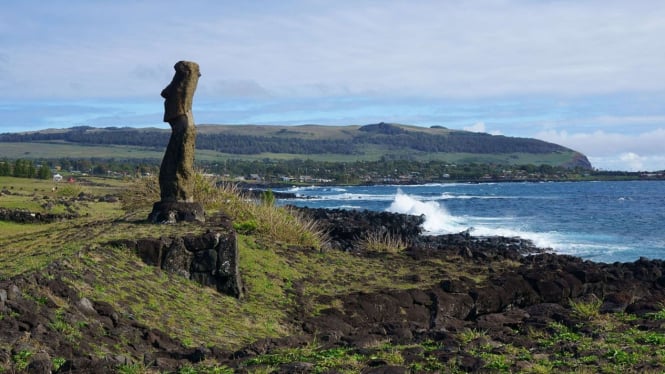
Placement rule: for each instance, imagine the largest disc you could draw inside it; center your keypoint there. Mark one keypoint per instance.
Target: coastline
(443, 303)
(248, 186)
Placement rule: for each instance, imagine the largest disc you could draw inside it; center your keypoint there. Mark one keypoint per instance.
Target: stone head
(179, 93)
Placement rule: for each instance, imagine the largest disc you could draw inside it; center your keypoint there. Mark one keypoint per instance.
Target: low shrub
(69, 190)
(386, 242)
(247, 227)
(588, 309)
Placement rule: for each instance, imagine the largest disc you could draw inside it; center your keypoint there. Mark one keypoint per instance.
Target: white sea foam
(350, 207)
(507, 209)
(357, 196)
(437, 218)
(296, 189)
(439, 221)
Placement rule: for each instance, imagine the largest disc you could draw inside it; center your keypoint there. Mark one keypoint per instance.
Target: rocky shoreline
(505, 293)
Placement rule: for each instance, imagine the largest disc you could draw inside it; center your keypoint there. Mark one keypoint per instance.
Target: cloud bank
(432, 48)
(615, 151)
(587, 74)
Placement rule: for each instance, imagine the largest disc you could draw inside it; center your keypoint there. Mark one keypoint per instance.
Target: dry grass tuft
(277, 224)
(386, 242)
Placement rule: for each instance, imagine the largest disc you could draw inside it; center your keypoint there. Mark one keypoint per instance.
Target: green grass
(587, 309)
(274, 272)
(43, 150)
(197, 315)
(194, 314)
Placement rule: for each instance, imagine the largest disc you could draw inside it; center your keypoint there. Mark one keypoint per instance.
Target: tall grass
(375, 241)
(274, 223)
(278, 224)
(587, 309)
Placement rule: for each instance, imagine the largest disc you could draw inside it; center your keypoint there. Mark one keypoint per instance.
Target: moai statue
(176, 174)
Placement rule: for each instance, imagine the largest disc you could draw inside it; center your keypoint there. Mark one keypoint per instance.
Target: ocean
(598, 221)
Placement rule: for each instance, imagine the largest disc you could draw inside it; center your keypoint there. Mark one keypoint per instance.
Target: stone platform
(172, 212)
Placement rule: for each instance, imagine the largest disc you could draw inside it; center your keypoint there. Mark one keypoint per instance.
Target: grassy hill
(273, 269)
(290, 279)
(319, 143)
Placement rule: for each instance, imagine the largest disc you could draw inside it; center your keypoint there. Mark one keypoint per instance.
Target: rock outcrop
(503, 290)
(26, 216)
(346, 227)
(28, 323)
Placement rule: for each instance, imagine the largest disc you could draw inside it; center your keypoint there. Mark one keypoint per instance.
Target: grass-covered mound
(73, 300)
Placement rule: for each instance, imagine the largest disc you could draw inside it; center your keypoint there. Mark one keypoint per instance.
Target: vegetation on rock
(71, 301)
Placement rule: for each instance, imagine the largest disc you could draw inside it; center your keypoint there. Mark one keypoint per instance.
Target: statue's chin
(179, 122)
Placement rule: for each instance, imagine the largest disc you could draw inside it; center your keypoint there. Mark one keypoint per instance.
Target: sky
(589, 75)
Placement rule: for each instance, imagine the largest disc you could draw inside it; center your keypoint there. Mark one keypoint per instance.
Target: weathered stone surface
(210, 259)
(344, 227)
(179, 94)
(86, 306)
(194, 243)
(177, 170)
(172, 212)
(227, 272)
(456, 305)
(204, 261)
(150, 251)
(177, 259)
(26, 216)
(40, 363)
(176, 174)
(13, 293)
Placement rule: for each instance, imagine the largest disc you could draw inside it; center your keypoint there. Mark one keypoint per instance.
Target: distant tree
(44, 172)
(31, 170)
(100, 169)
(20, 168)
(5, 168)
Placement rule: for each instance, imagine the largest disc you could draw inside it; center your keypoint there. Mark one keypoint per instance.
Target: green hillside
(318, 143)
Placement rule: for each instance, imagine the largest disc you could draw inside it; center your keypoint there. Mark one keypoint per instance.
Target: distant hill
(333, 143)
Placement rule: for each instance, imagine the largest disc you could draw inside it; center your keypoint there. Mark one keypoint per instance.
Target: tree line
(24, 169)
(272, 170)
(460, 142)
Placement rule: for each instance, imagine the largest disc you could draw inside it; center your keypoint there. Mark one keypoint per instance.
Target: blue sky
(589, 75)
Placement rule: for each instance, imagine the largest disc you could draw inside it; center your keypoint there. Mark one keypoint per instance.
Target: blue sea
(598, 221)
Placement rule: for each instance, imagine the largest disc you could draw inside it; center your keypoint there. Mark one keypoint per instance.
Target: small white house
(57, 178)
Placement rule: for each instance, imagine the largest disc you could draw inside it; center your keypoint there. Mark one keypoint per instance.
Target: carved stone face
(179, 93)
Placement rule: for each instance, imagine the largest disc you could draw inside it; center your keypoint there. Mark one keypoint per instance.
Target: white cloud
(630, 162)
(426, 48)
(615, 151)
(476, 127)
(239, 88)
(480, 127)
(601, 143)
(634, 160)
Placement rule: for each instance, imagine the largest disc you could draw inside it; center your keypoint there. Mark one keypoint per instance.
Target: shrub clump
(386, 242)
